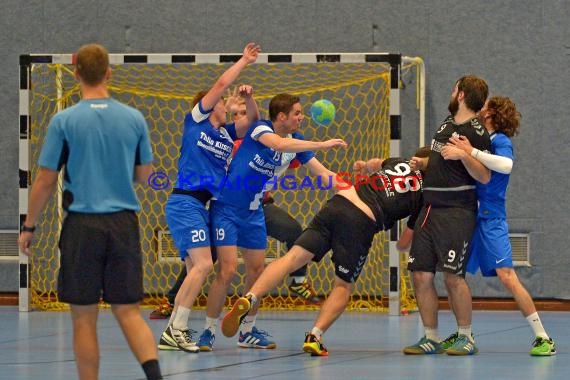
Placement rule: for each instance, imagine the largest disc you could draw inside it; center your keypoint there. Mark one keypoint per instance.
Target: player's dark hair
(92, 63)
(423, 152)
(281, 103)
(503, 112)
(475, 90)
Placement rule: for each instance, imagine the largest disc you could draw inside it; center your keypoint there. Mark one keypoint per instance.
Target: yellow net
(162, 92)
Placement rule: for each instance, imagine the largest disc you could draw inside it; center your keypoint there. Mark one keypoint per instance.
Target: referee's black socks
(151, 369)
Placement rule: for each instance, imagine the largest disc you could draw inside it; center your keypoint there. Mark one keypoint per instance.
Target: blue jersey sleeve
(258, 129)
(53, 150)
(502, 146)
(198, 113)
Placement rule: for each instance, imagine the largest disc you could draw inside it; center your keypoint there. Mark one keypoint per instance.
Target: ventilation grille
(520, 244)
(9, 243)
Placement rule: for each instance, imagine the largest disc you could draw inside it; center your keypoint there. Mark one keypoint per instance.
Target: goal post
(363, 86)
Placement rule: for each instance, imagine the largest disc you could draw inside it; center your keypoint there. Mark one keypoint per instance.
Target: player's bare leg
(227, 261)
(331, 309)
(460, 297)
(273, 274)
(85, 343)
(426, 297)
(543, 345)
(335, 304)
(279, 269)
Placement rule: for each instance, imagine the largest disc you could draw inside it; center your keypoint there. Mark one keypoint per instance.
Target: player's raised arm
(250, 53)
(252, 110)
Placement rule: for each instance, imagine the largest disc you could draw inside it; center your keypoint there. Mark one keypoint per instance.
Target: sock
(248, 323)
(432, 334)
(465, 330)
(172, 316)
(536, 325)
(211, 324)
(253, 299)
(181, 320)
(151, 369)
(317, 332)
(299, 279)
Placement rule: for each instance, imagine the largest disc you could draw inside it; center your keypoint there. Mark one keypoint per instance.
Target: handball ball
(322, 112)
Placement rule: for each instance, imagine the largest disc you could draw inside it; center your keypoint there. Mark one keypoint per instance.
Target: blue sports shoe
(206, 341)
(255, 339)
(424, 347)
(463, 345)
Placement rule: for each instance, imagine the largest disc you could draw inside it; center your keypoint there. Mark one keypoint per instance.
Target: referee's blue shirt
(99, 141)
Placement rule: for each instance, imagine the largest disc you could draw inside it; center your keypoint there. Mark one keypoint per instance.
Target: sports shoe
(450, 340)
(305, 291)
(425, 346)
(206, 341)
(314, 346)
(255, 339)
(181, 340)
(163, 311)
(462, 346)
(543, 347)
(232, 320)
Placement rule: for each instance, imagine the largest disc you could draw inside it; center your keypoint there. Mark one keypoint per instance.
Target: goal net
(161, 87)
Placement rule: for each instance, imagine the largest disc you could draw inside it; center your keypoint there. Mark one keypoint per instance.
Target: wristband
(24, 228)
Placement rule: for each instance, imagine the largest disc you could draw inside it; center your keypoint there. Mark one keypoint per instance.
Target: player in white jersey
(207, 144)
(237, 216)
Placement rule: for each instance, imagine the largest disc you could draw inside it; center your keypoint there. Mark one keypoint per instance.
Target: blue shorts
(233, 225)
(188, 221)
(490, 247)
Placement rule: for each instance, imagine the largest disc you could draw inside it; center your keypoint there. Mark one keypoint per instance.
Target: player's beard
(453, 106)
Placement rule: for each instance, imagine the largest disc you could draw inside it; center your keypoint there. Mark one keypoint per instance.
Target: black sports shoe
(305, 291)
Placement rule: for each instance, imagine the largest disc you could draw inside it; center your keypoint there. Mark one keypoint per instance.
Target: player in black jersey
(445, 225)
(347, 225)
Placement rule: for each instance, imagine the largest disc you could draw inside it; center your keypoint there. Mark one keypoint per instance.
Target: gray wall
(522, 47)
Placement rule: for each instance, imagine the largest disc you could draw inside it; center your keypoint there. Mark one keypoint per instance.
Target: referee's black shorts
(100, 258)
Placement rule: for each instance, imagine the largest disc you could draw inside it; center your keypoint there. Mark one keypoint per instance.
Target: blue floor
(362, 346)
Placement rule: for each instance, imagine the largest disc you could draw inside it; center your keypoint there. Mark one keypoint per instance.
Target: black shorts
(442, 240)
(344, 228)
(100, 257)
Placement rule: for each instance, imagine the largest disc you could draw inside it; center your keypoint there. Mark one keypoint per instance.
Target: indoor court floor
(37, 345)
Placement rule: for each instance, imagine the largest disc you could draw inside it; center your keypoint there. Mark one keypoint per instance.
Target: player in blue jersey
(445, 226)
(237, 216)
(103, 145)
(491, 248)
(280, 226)
(207, 144)
(347, 225)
